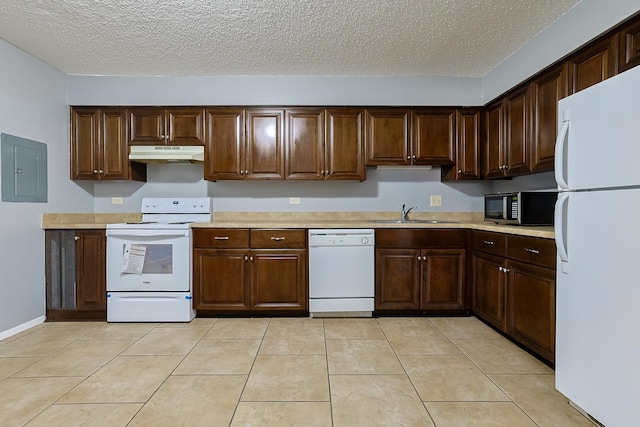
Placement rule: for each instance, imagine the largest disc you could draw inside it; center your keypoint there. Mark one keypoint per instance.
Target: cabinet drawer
(416, 238)
(221, 238)
(532, 250)
(279, 238)
(492, 243)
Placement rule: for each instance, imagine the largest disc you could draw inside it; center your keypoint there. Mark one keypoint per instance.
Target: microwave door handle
(504, 208)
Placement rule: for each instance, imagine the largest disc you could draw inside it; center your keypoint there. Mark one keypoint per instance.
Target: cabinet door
(264, 154)
(224, 148)
(114, 149)
(147, 127)
(467, 147)
(532, 305)
(489, 291)
(85, 148)
(397, 279)
(344, 146)
(517, 131)
(546, 91)
(629, 37)
(279, 279)
(493, 155)
(219, 279)
(185, 126)
(304, 152)
(90, 274)
(442, 279)
(433, 137)
(387, 136)
(593, 64)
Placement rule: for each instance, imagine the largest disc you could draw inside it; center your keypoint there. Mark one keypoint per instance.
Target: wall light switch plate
(436, 200)
(116, 200)
(294, 200)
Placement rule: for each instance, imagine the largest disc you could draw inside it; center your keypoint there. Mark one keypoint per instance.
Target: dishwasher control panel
(342, 237)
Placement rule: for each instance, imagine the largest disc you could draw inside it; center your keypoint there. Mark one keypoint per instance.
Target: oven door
(148, 260)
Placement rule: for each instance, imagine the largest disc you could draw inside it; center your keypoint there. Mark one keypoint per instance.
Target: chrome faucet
(406, 212)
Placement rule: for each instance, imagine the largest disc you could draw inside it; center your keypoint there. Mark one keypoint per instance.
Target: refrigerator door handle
(560, 226)
(561, 142)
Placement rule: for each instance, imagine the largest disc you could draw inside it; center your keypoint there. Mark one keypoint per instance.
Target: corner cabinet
(75, 274)
(514, 288)
(243, 270)
(99, 146)
(419, 270)
(467, 147)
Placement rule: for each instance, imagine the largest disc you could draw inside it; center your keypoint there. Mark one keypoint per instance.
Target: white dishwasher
(341, 272)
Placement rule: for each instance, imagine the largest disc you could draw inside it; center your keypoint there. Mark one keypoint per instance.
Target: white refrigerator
(597, 228)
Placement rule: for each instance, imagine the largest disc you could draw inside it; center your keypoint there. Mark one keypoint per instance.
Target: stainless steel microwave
(521, 208)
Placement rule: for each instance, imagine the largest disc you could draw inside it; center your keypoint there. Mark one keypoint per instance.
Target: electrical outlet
(294, 200)
(436, 200)
(116, 200)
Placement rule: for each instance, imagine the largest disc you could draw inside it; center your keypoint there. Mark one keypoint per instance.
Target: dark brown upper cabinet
(344, 144)
(167, 126)
(593, 64)
(629, 39)
(305, 146)
(225, 144)
(432, 136)
(507, 135)
(387, 136)
(467, 147)
(99, 148)
(264, 148)
(402, 136)
(546, 91)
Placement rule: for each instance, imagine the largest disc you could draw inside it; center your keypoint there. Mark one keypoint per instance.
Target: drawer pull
(532, 251)
(488, 242)
(221, 238)
(277, 239)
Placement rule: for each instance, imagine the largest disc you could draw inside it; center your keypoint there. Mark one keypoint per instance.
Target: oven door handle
(147, 233)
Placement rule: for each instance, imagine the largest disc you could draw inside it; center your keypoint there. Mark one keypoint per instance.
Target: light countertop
(464, 220)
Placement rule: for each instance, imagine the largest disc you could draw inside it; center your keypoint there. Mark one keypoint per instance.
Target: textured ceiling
(461, 38)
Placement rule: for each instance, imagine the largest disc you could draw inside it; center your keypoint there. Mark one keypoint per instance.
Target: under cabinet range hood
(166, 153)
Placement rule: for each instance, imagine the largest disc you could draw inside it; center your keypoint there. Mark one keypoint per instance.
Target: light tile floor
(276, 372)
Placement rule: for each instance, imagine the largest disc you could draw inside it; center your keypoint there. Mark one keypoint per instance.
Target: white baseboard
(23, 327)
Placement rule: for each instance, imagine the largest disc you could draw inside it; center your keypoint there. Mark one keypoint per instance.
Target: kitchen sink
(413, 221)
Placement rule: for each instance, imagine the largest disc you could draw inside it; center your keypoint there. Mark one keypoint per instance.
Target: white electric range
(149, 263)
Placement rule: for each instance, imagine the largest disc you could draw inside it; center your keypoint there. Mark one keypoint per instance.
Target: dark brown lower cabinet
(532, 307)
(516, 292)
(242, 270)
(412, 276)
(75, 274)
(490, 290)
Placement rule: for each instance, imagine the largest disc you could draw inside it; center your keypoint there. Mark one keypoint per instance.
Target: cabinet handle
(221, 238)
(506, 270)
(241, 172)
(408, 157)
(251, 258)
(501, 269)
(95, 171)
(424, 258)
(246, 171)
(488, 242)
(419, 258)
(532, 251)
(100, 171)
(459, 170)
(246, 258)
(76, 238)
(277, 239)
